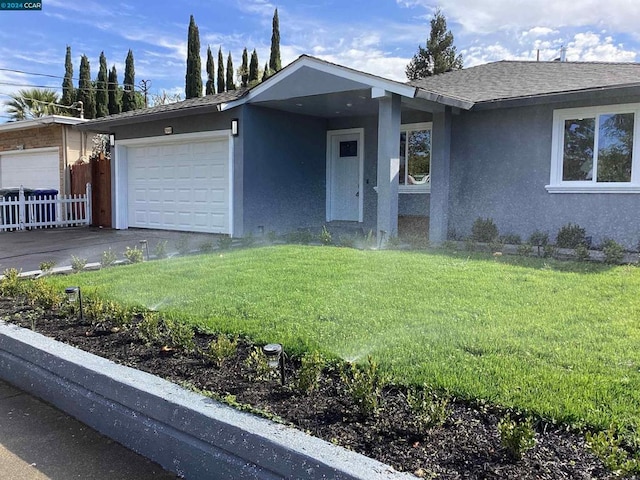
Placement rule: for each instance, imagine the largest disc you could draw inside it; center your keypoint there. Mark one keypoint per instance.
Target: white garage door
(31, 170)
(182, 186)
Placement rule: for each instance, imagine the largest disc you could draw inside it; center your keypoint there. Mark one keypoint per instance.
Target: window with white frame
(415, 158)
(594, 150)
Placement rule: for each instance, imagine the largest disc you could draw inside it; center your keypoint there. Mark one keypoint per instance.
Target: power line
(123, 85)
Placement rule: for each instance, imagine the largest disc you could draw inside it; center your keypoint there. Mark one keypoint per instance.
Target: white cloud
(591, 47)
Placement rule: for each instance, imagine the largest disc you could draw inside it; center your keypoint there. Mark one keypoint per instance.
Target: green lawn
(557, 339)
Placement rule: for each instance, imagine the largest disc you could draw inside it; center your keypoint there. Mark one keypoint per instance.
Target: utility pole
(145, 85)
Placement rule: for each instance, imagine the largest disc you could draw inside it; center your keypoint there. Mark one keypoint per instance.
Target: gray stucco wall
(284, 170)
(500, 164)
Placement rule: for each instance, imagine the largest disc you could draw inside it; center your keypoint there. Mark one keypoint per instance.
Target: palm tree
(32, 103)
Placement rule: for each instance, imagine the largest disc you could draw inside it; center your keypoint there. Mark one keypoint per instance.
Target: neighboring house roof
(192, 105)
(39, 122)
(509, 80)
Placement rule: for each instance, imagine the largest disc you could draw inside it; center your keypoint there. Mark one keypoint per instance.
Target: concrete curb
(184, 432)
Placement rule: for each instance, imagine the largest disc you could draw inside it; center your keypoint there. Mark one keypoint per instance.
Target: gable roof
(509, 80)
(186, 107)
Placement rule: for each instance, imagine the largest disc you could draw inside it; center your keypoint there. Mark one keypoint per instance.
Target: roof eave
(444, 99)
(40, 121)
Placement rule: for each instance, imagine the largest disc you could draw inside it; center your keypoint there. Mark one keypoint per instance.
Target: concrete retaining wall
(184, 432)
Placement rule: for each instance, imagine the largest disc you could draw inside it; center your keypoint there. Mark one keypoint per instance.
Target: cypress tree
(210, 87)
(275, 63)
(221, 86)
(128, 96)
(102, 102)
(193, 79)
(115, 99)
(267, 72)
(67, 83)
(230, 83)
(86, 93)
(253, 69)
(244, 70)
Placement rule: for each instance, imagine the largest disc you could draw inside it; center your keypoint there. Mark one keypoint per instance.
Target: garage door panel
(186, 186)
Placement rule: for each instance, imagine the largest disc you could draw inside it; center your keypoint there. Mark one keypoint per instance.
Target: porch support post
(388, 166)
(119, 197)
(440, 176)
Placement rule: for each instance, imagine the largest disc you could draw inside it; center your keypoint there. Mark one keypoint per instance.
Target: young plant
(570, 236)
(325, 236)
(225, 242)
(108, 258)
(364, 385)
(179, 335)
(207, 246)
(78, 263)
(613, 251)
(46, 267)
(525, 250)
(582, 253)
(44, 295)
(550, 251)
(148, 329)
(484, 230)
(220, 349)
(160, 249)
(12, 285)
(311, 368)
(608, 447)
(258, 366)
(429, 409)
(516, 436)
(133, 255)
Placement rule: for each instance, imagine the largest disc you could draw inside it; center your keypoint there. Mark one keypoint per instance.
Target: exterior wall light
(234, 127)
(75, 295)
(112, 140)
(275, 358)
(168, 130)
(144, 245)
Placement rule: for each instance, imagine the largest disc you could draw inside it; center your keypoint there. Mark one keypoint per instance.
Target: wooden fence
(45, 211)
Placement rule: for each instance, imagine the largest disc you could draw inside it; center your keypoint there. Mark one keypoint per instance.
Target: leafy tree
(129, 95)
(32, 103)
(253, 69)
(439, 56)
(266, 73)
(221, 86)
(210, 88)
(67, 84)
(115, 96)
(193, 83)
(102, 97)
(86, 91)
(230, 83)
(244, 69)
(275, 64)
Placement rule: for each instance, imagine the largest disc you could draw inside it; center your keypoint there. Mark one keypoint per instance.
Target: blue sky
(376, 36)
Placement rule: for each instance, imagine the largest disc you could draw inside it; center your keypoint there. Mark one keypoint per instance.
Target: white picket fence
(45, 211)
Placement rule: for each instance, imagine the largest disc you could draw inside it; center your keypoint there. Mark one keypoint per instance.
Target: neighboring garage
(35, 168)
(180, 182)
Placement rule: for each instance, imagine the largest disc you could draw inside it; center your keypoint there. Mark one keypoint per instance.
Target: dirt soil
(466, 446)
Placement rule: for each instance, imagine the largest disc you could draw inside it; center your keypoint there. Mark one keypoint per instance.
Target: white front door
(344, 175)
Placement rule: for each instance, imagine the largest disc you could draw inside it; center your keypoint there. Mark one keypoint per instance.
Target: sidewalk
(37, 442)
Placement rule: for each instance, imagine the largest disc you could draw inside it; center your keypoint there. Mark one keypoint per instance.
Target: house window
(415, 158)
(594, 150)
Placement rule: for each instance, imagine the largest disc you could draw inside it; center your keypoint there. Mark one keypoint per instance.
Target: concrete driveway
(25, 250)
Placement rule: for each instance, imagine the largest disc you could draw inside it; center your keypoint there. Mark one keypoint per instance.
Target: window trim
(410, 127)
(557, 185)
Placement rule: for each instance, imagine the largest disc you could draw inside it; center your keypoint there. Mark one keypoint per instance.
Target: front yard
(556, 339)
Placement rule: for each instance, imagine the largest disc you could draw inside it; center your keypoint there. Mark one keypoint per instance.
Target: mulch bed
(466, 446)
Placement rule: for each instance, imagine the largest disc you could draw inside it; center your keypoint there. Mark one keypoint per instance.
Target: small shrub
(160, 249)
(179, 335)
(496, 246)
(484, 230)
(258, 366)
(248, 240)
(108, 258)
(311, 368)
(516, 436)
(225, 242)
(608, 447)
(539, 239)
(133, 255)
(148, 329)
(613, 251)
(364, 386)
(325, 236)
(550, 251)
(570, 236)
(429, 409)
(78, 263)
(582, 253)
(12, 285)
(182, 244)
(46, 267)
(207, 246)
(220, 349)
(525, 250)
(44, 295)
(511, 239)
